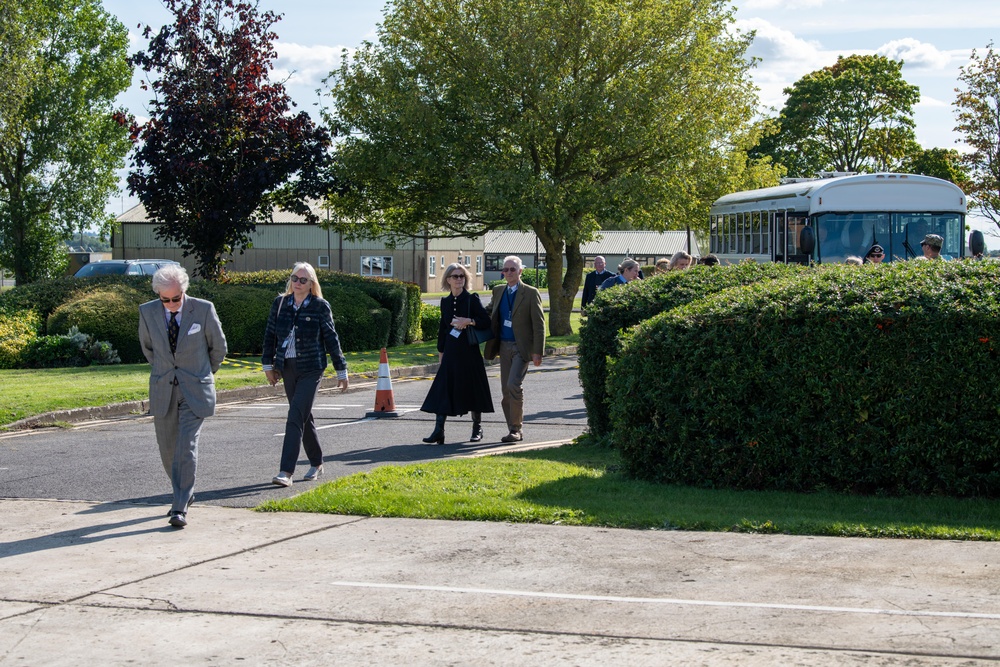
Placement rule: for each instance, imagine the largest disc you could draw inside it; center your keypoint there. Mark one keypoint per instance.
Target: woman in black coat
(460, 385)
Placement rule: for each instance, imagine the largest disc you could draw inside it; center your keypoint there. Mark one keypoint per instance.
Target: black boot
(477, 428)
(437, 437)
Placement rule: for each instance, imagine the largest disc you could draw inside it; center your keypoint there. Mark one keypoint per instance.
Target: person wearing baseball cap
(931, 245)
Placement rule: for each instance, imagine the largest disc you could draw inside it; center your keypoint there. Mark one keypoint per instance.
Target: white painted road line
(670, 601)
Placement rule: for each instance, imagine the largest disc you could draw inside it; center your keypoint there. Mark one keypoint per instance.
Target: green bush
(72, 349)
(874, 380)
(17, 331)
(45, 296)
(430, 321)
(361, 323)
(625, 306)
(414, 309)
(392, 295)
(242, 311)
(108, 313)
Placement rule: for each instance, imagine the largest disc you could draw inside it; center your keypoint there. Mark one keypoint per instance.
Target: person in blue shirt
(629, 272)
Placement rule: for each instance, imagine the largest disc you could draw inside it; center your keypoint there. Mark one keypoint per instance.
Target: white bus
(846, 216)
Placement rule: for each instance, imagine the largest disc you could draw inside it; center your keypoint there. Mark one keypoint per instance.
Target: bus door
(786, 226)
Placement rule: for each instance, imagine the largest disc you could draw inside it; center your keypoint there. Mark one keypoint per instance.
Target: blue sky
(793, 38)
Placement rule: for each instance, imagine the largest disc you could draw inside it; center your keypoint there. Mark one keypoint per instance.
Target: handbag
(477, 336)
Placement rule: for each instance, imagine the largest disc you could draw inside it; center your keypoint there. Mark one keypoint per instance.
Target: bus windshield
(841, 235)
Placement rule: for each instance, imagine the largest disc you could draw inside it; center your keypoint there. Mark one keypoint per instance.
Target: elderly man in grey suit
(519, 328)
(182, 338)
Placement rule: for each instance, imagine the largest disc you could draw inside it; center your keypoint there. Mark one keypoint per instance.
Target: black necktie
(172, 330)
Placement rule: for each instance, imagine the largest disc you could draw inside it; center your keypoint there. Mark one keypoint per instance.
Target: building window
(479, 265)
(468, 261)
(493, 262)
(376, 266)
(442, 263)
(432, 266)
(323, 262)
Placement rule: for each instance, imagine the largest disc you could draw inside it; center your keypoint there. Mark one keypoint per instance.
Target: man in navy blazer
(518, 323)
(183, 341)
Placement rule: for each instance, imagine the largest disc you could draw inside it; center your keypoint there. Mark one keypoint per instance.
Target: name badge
(456, 333)
(508, 323)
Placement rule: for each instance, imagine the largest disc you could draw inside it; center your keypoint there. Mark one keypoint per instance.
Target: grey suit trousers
(177, 434)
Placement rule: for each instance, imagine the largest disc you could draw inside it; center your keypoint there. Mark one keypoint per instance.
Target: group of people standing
(182, 338)
(600, 278)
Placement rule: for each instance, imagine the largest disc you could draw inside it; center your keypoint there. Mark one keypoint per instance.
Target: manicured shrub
(624, 306)
(242, 310)
(389, 294)
(73, 349)
(45, 296)
(17, 331)
(414, 309)
(430, 320)
(361, 323)
(859, 379)
(108, 313)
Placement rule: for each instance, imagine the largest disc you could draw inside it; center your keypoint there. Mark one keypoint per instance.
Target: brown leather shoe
(513, 436)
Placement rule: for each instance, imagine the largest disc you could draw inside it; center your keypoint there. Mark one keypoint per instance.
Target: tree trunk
(562, 291)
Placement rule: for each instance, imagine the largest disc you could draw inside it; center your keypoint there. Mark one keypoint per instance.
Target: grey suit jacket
(527, 320)
(201, 347)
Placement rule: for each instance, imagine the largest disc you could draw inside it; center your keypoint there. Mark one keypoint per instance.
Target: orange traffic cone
(385, 404)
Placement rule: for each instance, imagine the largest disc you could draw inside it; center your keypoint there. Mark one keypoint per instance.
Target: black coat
(460, 385)
(591, 283)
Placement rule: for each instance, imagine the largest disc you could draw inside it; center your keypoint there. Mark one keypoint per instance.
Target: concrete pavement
(105, 583)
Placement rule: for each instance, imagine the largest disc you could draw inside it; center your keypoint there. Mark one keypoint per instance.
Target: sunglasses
(296, 279)
(508, 270)
(171, 299)
(457, 276)
(876, 254)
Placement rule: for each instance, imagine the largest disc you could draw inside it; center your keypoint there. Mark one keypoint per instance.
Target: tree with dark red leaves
(221, 147)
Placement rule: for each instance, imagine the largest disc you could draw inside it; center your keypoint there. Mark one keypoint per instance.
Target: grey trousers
(177, 435)
(512, 371)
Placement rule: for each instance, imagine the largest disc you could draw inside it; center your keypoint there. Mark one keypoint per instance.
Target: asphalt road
(117, 460)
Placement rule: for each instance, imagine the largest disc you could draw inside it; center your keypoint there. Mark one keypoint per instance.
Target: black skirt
(460, 385)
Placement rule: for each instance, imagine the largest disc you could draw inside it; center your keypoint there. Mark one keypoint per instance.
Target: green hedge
(430, 322)
(106, 313)
(393, 295)
(875, 380)
(624, 306)
(17, 331)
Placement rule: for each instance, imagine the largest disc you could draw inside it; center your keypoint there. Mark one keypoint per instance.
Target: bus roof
(883, 192)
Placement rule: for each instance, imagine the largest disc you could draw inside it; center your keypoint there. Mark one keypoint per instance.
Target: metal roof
(607, 243)
(280, 216)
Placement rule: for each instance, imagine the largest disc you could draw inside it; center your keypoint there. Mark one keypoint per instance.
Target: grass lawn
(580, 484)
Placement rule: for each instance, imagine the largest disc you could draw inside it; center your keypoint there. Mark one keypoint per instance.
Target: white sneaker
(313, 473)
(283, 479)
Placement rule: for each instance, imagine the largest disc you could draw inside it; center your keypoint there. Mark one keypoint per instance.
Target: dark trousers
(300, 429)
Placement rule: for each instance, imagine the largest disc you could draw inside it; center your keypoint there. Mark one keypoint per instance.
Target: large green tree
(978, 114)
(855, 115)
(222, 145)
(61, 138)
(945, 163)
(556, 117)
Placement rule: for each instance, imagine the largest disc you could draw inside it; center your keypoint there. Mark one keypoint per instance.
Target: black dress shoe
(186, 507)
(178, 519)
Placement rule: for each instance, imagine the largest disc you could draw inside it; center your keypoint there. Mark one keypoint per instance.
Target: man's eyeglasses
(171, 299)
(296, 279)
(508, 269)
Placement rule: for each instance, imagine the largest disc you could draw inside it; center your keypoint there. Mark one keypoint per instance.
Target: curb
(141, 408)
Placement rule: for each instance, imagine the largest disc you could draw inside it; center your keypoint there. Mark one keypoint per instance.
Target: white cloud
(305, 66)
(931, 102)
(784, 58)
(915, 53)
(782, 4)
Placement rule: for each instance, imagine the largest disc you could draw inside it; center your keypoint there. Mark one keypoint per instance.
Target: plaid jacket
(315, 335)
